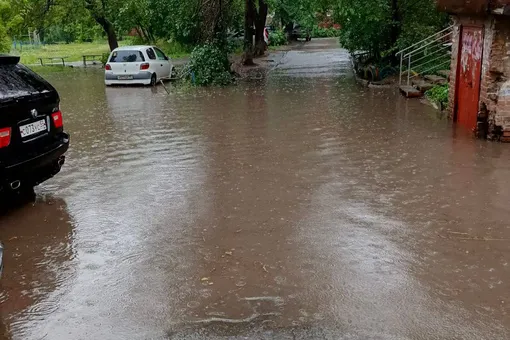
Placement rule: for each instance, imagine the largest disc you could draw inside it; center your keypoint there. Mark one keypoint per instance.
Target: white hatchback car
(144, 65)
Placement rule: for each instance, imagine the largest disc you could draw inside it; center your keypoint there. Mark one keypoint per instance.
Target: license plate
(125, 77)
(33, 128)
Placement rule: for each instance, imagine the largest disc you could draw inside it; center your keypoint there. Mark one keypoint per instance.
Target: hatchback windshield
(126, 56)
(17, 81)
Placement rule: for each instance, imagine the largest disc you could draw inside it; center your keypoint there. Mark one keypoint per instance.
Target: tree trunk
(260, 24)
(110, 33)
(395, 27)
(41, 31)
(139, 32)
(289, 27)
(249, 19)
(107, 26)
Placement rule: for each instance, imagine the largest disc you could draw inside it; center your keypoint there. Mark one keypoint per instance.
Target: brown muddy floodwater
(295, 206)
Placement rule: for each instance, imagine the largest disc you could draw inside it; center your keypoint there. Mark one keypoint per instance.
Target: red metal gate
(469, 76)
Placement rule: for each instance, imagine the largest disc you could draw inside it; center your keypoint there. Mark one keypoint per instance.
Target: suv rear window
(126, 57)
(18, 81)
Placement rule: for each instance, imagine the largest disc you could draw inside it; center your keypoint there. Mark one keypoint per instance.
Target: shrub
(277, 38)
(5, 42)
(439, 95)
(323, 32)
(104, 58)
(209, 65)
(173, 48)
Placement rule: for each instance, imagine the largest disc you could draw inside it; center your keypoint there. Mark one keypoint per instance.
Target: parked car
(270, 28)
(142, 65)
(300, 32)
(32, 137)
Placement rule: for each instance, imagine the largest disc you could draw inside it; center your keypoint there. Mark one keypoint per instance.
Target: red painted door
(468, 76)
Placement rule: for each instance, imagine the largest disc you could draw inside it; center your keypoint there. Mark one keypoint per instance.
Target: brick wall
(487, 102)
(499, 75)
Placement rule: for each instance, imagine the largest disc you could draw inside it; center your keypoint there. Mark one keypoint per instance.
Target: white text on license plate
(32, 128)
(125, 77)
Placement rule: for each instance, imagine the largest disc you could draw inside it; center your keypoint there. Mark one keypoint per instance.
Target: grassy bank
(75, 51)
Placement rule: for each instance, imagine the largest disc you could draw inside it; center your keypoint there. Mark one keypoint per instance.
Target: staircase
(425, 64)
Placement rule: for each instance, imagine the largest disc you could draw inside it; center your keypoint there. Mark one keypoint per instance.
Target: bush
(5, 42)
(439, 95)
(209, 65)
(104, 58)
(277, 38)
(173, 48)
(323, 32)
(76, 32)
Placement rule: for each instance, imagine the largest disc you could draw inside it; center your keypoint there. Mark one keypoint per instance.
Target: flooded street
(296, 206)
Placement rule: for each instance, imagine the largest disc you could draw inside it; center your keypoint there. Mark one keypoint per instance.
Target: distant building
(480, 67)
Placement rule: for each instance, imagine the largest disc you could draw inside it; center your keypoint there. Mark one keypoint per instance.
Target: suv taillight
(144, 66)
(57, 119)
(107, 67)
(5, 137)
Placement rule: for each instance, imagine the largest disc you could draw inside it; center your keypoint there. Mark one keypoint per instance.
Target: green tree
(5, 14)
(249, 22)
(104, 13)
(5, 42)
(260, 24)
(302, 12)
(384, 26)
(137, 15)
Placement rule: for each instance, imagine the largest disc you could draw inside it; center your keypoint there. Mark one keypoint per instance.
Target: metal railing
(429, 55)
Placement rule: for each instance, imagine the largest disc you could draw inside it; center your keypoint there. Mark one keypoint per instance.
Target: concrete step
(432, 78)
(422, 85)
(444, 73)
(410, 92)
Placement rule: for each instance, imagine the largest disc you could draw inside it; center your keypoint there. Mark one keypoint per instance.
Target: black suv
(32, 137)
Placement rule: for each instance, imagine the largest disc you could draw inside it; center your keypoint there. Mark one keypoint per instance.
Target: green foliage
(209, 65)
(30, 54)
(182, 21)
(418, 21)
(277, 38)
(75, 32)
(439, 95)
(301, 12)
(176, 19)
(5, 42)
(321, 32)
(382, 27)
(365, 25)
(104, 58)
(173, 49)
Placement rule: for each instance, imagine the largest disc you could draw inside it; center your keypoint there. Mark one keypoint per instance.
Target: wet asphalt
(297, 205)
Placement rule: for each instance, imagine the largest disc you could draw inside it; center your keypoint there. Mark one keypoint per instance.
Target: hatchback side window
(160, 54)
(151, 54)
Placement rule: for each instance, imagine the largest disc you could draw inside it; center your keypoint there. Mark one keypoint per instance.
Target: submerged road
(296, 206)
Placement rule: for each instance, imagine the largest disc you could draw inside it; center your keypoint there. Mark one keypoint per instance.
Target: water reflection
(39, 261)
